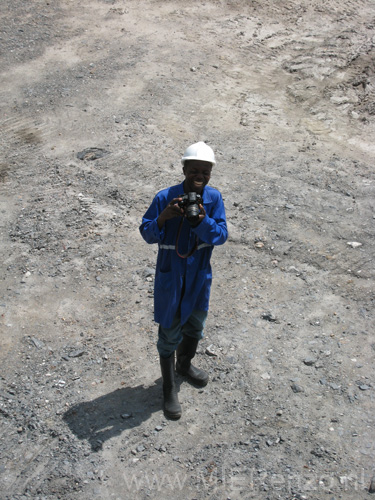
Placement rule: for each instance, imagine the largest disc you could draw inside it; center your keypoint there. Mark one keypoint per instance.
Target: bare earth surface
(99, 99)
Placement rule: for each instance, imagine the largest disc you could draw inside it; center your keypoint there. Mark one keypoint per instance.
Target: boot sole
(172, 416)
(199, 383)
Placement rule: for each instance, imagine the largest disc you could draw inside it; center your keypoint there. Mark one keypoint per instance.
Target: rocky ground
(99, 99)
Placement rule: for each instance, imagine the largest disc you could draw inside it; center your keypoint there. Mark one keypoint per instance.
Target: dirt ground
(99, 99)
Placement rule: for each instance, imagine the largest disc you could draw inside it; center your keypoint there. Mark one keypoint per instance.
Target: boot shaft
(171, 405)
(167, 366)
(185, 353)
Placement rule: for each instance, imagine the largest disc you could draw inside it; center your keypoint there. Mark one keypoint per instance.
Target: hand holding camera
(192, 205)
(189, 205)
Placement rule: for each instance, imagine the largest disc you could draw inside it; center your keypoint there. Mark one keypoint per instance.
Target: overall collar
(205, 195)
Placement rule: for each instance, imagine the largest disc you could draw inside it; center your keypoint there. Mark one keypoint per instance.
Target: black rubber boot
(171, 406)
(185, 353)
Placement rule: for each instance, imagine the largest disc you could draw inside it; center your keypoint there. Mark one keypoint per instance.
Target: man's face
(197, 175)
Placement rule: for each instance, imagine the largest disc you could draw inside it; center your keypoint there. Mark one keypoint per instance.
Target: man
(183, 271)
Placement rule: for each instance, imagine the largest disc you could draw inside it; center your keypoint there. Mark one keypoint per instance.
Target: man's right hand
(171, 210)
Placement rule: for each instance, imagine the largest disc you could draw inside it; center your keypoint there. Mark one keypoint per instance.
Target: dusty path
(284, 93)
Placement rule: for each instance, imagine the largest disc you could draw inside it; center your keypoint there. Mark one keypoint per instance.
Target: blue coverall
(183, 284)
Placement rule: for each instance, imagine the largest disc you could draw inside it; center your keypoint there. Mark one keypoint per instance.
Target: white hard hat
(199, 151)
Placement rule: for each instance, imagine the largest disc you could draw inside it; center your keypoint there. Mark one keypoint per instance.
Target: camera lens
(192, 213)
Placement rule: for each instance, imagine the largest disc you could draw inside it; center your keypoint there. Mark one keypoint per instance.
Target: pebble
(268, 316)
(259, 244)
(296, 388)
(37, 343)
(354, 244)
(76, 354)
(309, 361)
(335, 387)
(148, 272)
(210, 351)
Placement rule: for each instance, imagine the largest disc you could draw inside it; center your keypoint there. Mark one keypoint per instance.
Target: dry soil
(99, 99)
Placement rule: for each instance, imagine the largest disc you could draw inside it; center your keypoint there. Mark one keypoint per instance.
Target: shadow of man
(110, 414)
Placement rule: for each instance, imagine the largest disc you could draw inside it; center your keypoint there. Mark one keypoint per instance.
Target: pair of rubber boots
(185, 353)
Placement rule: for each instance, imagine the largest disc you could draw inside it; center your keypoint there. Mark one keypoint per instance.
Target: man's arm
(213, 229)
(153, 222)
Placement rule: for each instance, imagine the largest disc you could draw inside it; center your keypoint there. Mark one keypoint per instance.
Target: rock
(309, 361)
(335, 387)
(210, 351)
(293, 269)
(354, 244)
(268, 316)
(148, 272)
(76, 354)
(26, 275)
(296, 388)
(37, 343)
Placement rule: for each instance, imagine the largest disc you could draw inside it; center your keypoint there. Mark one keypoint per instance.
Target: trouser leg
(169, 338)
(192, 332)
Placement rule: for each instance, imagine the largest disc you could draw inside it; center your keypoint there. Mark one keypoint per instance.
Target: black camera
(190, 204)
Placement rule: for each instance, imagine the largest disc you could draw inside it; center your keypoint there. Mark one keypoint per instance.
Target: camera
(190, 204)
